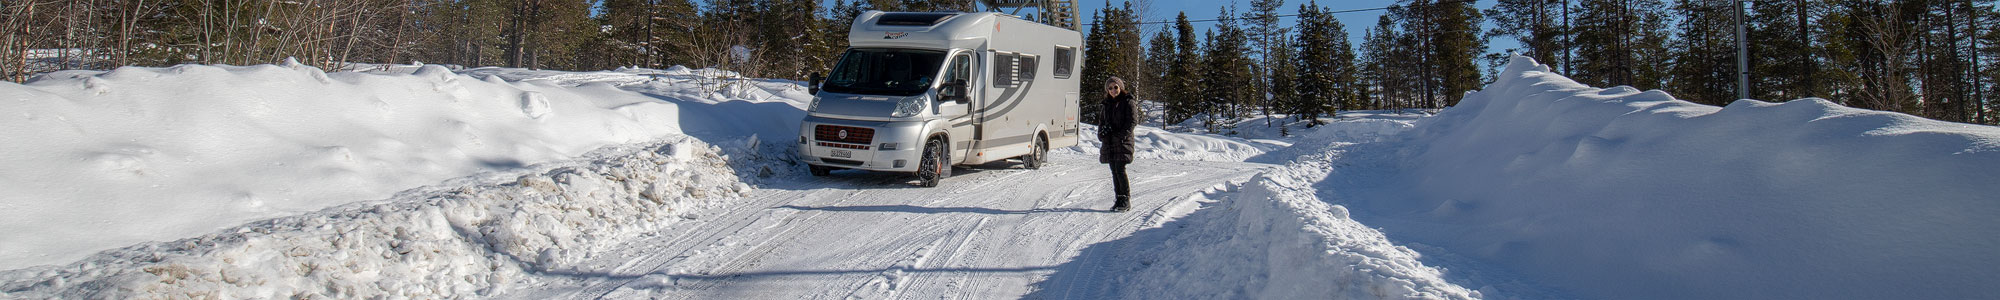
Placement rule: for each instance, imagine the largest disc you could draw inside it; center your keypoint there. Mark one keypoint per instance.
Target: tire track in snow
(703, 235)
(738, 264)
(762, 247)
(988, 233)
(1090, 264)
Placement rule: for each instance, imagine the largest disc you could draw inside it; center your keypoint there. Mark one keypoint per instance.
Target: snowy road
(988, 232)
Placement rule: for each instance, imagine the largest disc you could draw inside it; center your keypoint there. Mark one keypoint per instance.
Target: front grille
(843, 146)
(855, 135)
(841, 161)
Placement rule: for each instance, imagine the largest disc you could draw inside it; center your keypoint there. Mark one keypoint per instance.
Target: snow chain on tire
(933, 168)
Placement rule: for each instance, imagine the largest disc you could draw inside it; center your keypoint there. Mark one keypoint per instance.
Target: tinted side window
(1003, 69)
(1026, 70)
(1065, 61)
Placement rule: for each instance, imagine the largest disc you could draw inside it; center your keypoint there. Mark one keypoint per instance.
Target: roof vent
(914, 19)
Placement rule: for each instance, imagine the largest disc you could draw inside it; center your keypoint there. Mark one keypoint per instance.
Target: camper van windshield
(888, 72)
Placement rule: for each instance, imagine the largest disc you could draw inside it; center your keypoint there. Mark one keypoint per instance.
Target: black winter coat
(1121, 116)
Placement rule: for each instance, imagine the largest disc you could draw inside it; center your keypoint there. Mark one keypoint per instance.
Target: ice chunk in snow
(534, 104)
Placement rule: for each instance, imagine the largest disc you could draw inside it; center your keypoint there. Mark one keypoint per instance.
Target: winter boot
(1124, 204)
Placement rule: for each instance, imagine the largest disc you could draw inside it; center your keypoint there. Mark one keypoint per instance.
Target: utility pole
(1742, 55)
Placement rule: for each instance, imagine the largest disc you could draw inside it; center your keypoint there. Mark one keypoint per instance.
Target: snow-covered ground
(526, 184)
(97, 160)
(1541, 187)
(408, 181)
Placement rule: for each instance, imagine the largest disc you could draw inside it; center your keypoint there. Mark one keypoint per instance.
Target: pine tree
(1446, 44)
(1284, 92)
(1986, 39)
(1946, 57)
(1781, 55)
(1160, 54)
(1536, 24)
(1457, 46)
(787, 38)
(1326, 68)
(1184, 76)
(1097, 62)
(648, 33)
(1226, 75)
(1266, 36)
(1618, 42)
(630, 22)
(1377, 66)
(1112, 48)
(1704, 55)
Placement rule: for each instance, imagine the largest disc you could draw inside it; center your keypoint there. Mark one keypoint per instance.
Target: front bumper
(905, 137)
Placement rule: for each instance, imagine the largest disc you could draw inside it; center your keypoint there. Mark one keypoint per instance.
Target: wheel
(935, 166)
(1038, 156)
(819, 171)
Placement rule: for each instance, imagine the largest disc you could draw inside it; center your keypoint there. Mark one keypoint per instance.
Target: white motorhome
(921, 92)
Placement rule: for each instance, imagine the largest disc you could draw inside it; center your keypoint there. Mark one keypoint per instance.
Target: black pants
(1118, 182)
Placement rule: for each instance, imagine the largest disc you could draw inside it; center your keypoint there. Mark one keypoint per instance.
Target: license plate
(843, 153)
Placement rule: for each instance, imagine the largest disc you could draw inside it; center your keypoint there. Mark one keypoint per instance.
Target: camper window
(1026, 66)
(1065, 61)
(1003, 69)
(887, 72)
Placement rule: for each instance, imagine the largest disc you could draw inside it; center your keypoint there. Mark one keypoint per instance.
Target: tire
(818, 171)
(1037, 157)
(934, 167)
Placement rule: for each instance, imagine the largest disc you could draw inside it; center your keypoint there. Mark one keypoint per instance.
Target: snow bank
(713, 105)
(452, 241)
(1270, 238)
(96, 160)
(1154, 143)
(1274, 240)
(1620, 193)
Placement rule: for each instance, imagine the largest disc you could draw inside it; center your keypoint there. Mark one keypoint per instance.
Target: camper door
(959, 118)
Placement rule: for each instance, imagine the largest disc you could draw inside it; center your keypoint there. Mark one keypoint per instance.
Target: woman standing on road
(1121, 115)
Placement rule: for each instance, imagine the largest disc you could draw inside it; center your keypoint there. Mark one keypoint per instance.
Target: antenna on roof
(1058, 13)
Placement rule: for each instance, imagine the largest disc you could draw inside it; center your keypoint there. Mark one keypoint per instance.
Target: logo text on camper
(895, 35)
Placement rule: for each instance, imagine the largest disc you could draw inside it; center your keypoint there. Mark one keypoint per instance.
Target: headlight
(908, 107)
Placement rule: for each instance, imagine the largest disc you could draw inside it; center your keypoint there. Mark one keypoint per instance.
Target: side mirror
(955, 91)
(812, 83)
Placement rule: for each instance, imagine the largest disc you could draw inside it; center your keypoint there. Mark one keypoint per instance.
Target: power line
(1296, 14)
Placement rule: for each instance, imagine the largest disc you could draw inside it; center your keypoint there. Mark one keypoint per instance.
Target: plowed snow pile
(1622, 194)
(1268, 238)
(97, 160)
(1154, 143)
(440, 242)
